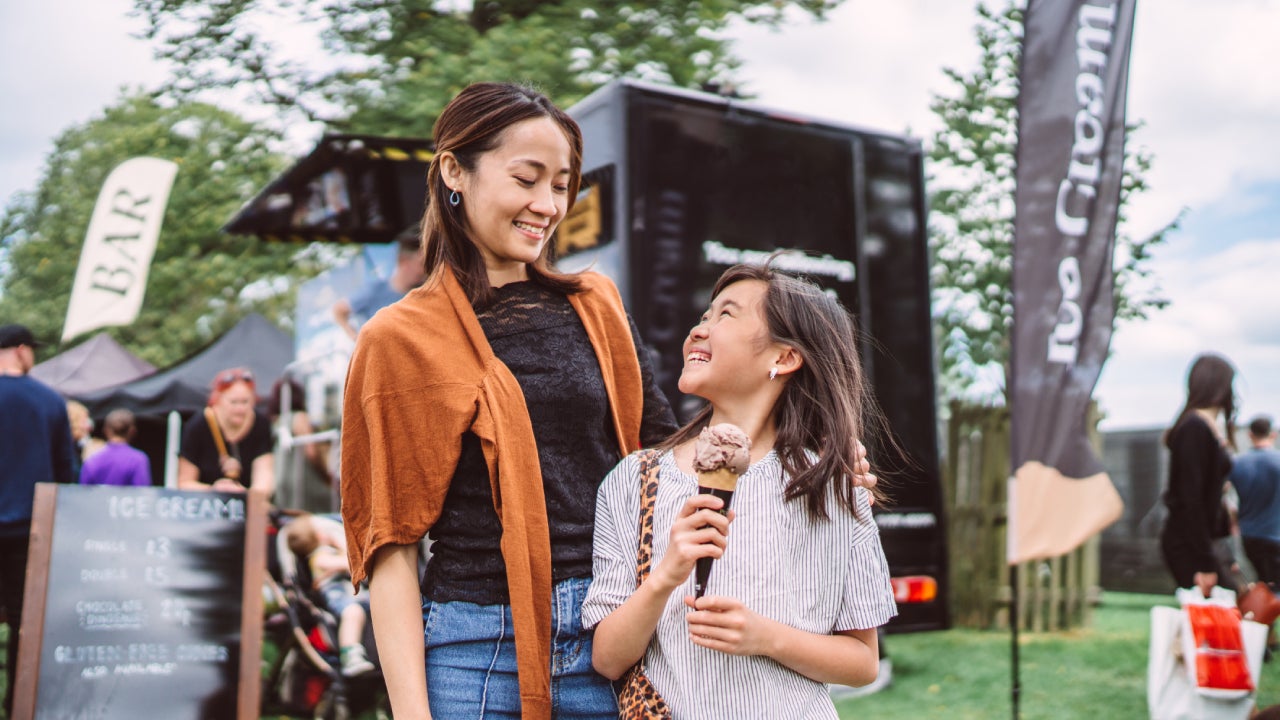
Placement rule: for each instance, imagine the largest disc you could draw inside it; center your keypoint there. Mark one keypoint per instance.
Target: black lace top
(538, 335)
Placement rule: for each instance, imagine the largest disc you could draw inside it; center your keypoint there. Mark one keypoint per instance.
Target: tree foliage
(971, 215)
(201, 281)
(382, 67)
(393, 64)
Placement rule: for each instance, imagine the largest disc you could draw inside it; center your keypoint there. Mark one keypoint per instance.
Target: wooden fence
(1054, 594)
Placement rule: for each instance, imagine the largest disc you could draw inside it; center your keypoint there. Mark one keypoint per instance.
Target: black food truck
(678, 185)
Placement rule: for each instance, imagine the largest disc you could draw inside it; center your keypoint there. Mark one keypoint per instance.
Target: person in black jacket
(35, 447)
(1198, 466)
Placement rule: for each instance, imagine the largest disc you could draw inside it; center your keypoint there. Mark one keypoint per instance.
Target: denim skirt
(471, 660)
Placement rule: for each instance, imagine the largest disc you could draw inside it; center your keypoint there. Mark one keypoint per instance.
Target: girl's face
(517, 195)
(235, 403)
(729, 349)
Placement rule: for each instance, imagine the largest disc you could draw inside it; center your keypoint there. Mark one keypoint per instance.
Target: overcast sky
(1204, 77)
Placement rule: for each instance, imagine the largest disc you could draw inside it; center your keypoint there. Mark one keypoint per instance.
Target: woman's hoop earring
(455, 199)
(773, 373)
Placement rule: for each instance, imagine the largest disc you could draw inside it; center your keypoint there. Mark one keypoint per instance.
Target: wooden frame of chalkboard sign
(142, 602)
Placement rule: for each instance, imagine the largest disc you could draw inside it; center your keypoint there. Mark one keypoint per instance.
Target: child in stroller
(305, 675)
(325, 552)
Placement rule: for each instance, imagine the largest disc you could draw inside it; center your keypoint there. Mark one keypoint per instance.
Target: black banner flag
(1071, 126)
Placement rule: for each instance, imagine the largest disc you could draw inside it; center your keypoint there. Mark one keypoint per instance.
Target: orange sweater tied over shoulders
(422, 375)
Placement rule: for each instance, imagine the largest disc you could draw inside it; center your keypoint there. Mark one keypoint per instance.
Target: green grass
(1090, 674)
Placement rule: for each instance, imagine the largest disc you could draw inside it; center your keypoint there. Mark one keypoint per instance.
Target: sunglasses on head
(230, 377)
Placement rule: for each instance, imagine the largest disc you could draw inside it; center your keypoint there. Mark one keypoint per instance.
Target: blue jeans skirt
(471, 660)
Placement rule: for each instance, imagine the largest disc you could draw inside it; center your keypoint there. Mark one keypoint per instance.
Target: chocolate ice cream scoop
(722, 447)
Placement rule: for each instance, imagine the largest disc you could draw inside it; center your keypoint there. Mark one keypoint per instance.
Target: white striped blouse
(815, 575)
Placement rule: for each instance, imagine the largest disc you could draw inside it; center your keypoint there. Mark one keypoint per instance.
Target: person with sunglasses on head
(229, 446)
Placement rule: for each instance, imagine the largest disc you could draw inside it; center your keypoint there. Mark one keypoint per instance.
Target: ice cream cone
(721, 454)
(722, 479)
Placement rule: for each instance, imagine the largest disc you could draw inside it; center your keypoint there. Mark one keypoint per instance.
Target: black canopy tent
(350, 188)
(254, 343)
(97, 363)
(183, 388)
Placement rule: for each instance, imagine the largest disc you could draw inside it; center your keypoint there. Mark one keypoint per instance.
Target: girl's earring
(773, 373)
(455, 199)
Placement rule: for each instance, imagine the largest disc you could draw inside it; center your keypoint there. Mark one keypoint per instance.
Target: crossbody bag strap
(637, 697)
(648, 497)
(216, 431)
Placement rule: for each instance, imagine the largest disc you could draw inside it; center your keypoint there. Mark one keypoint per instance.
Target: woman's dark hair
(1210, 385)
(826, 404)
(472, 124)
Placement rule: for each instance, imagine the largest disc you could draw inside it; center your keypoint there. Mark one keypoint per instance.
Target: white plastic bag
(1171, 691)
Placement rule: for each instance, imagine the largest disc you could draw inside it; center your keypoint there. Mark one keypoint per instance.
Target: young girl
(800, 584)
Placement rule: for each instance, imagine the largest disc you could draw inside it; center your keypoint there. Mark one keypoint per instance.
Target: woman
(244, 459)
(484, 408)
(800, 581)
(1198, 466)
(82, 434)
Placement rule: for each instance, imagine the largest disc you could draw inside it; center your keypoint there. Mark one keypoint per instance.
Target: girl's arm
(850, 657)
(622, 637)
(396, 608)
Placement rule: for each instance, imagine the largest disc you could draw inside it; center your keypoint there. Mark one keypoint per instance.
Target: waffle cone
(722, 479)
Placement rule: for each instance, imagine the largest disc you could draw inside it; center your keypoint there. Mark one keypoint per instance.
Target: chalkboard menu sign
(142, 603)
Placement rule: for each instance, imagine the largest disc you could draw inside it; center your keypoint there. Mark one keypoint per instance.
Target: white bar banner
(112, 276)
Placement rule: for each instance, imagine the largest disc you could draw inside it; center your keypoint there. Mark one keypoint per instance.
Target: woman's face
(235, 404)
(517, 195)
(729, 350)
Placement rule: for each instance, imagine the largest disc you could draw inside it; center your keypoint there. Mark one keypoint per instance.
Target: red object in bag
(1259, 604)
(1219, 648)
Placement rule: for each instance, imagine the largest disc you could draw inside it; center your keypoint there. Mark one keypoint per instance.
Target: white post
(171, 450)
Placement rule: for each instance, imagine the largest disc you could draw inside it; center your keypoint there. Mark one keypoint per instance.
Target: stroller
(304, 676)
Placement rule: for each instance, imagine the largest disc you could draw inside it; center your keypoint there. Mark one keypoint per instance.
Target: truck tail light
(914, 589)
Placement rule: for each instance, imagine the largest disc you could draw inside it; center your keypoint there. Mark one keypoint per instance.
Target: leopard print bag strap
(648, 497)
(638, 699)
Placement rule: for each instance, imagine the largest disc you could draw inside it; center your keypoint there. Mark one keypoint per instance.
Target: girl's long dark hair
(1210, 385)
(826, 405)
(472, 124)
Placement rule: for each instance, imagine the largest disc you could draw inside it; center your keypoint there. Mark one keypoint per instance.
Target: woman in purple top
(117, 463)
